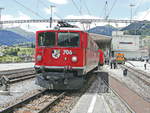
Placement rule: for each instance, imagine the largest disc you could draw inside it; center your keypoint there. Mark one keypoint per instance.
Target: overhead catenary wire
(78, 9)
(138, 6)
(108, 14)
(42, 2)
(37, 5)
(148, 12)
(101, 13)
(114, 3)
(30, 10)
(45, 5)
(87, 8)
(143, 24)
(76, 6)
(88, 11)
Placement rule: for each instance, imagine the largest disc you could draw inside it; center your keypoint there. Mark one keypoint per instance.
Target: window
(68, 39)
(46, 39)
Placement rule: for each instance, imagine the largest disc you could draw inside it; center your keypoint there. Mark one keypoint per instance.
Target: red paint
(87, 54)
(101, 57)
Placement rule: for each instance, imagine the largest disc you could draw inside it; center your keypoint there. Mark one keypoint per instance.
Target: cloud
(35, 26)
(145, 1)
(144, 15)
(82, 26)
(21, 16)
(81, 17)
(141, 2)
(26, 26)
(94, 24)
(42, 26)
(59, 1)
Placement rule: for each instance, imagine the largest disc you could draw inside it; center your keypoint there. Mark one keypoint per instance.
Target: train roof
(63, 29)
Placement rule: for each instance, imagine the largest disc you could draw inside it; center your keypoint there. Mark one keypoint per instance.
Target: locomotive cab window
(46, 39)
(68, 39)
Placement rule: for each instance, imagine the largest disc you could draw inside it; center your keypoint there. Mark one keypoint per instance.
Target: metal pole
(0, 18)
(51, 15)
(131, 5)
(106, 8)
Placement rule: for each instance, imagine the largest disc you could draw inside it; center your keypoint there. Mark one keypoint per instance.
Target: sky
(66, 9)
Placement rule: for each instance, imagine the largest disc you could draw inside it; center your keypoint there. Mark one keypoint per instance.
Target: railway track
(40, 102)
(118, 96)
(16, 71)
(56, 102)
(18, 75)
(143, 76)
(134, 102)
(21, 78)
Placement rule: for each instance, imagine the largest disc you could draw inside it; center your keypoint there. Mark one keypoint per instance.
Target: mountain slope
(103, 30)
(10, 38)
(28, 35)
(138, 28)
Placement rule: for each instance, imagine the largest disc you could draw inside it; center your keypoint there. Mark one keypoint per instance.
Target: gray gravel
(114, 103)
(139, 65)
(131, 82)
(19, 91)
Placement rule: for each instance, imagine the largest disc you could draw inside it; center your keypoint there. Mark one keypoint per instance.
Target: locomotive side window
(68, 39)
(46, 39)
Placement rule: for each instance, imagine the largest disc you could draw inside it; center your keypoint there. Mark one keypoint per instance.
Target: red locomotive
(64, 57)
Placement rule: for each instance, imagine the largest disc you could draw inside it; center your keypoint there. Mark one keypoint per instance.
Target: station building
(145, 46)
(132, 46)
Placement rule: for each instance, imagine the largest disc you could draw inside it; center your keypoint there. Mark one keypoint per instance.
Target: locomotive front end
(60, 59)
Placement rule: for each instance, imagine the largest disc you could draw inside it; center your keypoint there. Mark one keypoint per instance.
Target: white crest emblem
(56, 54)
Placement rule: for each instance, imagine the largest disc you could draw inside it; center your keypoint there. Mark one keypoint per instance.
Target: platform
(91, 103)
(93, 100)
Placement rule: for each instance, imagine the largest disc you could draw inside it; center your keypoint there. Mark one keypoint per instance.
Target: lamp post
(51, 7)
(131, 6)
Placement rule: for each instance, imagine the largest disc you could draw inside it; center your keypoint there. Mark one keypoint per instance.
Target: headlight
(39, 58)
(74, 59)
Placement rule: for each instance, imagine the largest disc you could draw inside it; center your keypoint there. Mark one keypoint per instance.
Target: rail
(24, 102)
(121, 99)
(139, 74)
(18, 75)
(11, 109)
(15, 71)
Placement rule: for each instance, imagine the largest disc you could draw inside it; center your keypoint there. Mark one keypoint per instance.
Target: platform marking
(106, 105)
(91, 107)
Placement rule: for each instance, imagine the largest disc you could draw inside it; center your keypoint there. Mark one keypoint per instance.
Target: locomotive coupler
(65, 76)
(66, 73)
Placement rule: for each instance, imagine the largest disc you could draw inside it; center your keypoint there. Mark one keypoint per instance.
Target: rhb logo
(56, 53)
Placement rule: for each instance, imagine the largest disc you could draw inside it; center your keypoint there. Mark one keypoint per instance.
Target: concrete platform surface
(91, 103)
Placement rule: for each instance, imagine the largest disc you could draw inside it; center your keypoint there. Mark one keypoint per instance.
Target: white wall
(127, 44)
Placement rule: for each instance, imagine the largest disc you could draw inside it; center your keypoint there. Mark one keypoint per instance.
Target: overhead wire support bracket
(67, 20)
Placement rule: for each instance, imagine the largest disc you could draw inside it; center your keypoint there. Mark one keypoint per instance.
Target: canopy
(102, 41)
